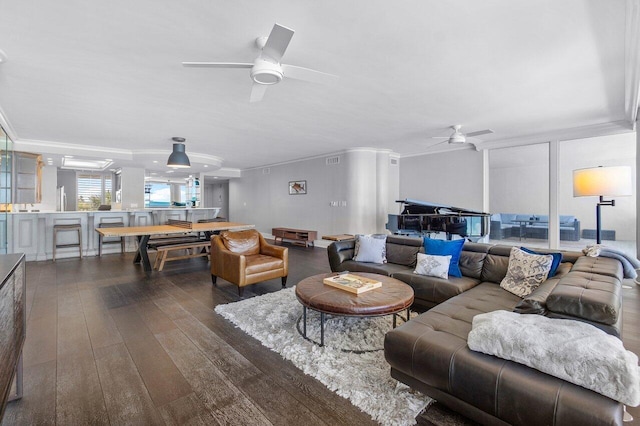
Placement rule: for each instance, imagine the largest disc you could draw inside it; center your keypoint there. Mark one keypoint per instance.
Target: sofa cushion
(592, 297)
(471, 263)
(260, 263)
(495, 264)
(435, 290)
(432, 265)
(374, 268)
(599, 265)
(444, 248)
(523, 217)
(370, 248)
(401, 254)
(525, 272)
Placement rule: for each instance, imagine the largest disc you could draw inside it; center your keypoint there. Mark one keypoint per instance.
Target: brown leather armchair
(244, 258)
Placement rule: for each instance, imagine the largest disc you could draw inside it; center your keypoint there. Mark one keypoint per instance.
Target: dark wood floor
(107, 345)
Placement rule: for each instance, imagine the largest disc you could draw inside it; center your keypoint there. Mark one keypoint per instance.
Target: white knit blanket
(571, 350)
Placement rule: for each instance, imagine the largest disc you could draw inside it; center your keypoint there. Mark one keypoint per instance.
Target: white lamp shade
(605, 181)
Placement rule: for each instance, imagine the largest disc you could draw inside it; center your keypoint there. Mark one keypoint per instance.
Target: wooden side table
(339, 237)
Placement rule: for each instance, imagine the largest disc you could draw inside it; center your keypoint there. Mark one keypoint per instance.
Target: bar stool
(110, 240)
(62, 228)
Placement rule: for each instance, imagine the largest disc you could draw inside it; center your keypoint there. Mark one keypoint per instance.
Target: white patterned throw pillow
(525, 272)
(371, 248)
(432, 265)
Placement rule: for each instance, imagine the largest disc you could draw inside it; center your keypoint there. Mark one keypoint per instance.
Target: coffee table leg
(394, 320)
(321, 328)
(408, 314)
(304, 321)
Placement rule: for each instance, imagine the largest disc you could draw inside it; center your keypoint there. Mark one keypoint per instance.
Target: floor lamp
(602, 182)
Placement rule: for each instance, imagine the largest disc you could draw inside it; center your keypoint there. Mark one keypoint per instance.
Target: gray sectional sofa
(430, 352)
(510, 225)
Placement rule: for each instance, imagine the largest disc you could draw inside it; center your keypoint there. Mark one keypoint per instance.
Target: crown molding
(63, 148)
(462, 147)
(48, 147)
(329, 154)
(583, 132)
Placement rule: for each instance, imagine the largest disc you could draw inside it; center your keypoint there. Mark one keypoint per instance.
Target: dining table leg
(142, 255)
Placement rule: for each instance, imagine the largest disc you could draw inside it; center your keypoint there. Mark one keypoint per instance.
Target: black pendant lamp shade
(178, 157)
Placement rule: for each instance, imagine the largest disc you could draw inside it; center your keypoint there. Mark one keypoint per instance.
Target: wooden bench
(194, 249)
(154, 243)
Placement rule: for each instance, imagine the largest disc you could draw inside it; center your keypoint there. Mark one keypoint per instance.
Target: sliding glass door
(519, 195)
(619, 221)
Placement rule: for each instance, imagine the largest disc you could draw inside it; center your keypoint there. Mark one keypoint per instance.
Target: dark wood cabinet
(294, 235)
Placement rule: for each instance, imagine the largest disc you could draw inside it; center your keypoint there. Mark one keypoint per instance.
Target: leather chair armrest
(275, 251)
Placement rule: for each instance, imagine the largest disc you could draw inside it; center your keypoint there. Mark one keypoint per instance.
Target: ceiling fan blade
(218, 64)
(257, 92)
(306, 74)
(439, 143)
(480, 132)
(439, 137)
(277, 42)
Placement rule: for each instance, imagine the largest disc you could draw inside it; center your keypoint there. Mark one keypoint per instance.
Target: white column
(382, 190)
(132, 188)
(361, 192)
(554, 190)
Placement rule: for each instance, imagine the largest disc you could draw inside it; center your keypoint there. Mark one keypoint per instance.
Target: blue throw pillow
(557, 258)
(446, 248)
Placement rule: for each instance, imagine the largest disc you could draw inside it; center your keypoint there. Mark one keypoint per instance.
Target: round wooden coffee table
(392, 298)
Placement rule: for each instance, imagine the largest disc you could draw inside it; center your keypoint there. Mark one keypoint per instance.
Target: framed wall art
(297, 187)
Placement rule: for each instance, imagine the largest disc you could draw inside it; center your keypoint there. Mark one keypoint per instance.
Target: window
(93, 190)
(164, 194)
(157, 194)
(519, 195)
(618, 222)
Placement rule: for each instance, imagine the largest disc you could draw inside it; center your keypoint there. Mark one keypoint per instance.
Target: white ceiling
(104, 79)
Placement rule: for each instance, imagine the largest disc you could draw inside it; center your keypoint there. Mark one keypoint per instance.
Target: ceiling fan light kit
(267, 69)
(178, 157)
(457, 137)
(265, 72)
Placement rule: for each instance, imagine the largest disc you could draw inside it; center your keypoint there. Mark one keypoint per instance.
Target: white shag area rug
(362, 378)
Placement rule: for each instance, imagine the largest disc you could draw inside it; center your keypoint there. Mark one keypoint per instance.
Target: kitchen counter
(31, 233)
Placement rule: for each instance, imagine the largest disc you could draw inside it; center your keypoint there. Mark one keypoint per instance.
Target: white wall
(217, 195)
(261, 196)
(451, 178)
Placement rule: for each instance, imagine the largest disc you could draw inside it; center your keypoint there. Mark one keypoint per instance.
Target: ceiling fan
(458, 138)
(267, 69)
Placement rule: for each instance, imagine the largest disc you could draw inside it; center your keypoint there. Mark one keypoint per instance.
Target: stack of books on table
(352, 283)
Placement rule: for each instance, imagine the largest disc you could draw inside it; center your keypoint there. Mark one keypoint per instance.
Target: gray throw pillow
(371, 248)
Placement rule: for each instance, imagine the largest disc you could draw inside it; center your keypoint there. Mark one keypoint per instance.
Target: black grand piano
(420, 218)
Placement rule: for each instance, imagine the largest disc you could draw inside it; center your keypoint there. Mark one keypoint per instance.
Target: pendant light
(178, 157)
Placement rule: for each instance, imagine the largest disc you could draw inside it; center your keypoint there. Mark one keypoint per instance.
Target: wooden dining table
(144, 233)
